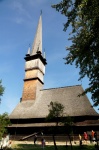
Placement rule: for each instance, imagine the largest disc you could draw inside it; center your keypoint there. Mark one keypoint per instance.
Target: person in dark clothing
(35, 139)
(90, 138)
(95, 136)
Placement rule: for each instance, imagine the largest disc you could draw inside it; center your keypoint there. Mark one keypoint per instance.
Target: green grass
(50, 147)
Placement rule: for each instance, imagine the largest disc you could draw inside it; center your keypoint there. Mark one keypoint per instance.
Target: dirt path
(49, 143)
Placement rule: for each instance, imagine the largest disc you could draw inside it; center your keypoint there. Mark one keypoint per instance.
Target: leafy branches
(83, 17)
(4, 122)
(1, 88)
(55, 111)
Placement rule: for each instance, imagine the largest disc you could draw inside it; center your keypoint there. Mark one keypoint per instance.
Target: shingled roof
(68, 96)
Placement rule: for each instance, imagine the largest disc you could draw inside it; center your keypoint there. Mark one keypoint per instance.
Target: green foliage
(68, 122)
(1, 88)
(55, 111)
(4, 122)
(83, 17)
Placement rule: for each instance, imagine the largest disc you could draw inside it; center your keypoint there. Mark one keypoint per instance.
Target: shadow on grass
(49, 147)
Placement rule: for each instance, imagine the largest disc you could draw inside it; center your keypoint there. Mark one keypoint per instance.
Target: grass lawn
(50, 147)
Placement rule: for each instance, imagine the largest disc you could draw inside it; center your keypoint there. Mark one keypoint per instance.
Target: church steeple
(37, 45)
(34, 67)
(28, 53)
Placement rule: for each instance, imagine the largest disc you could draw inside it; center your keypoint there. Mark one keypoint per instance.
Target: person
(43, 142)
(90, 138)
(80, 139)
(93, 134)
(35, 138)
(85, 136)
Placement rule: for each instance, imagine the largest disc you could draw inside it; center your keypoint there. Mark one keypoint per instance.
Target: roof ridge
(60, 87)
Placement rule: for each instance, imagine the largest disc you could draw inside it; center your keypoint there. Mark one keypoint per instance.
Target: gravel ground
(51, 143)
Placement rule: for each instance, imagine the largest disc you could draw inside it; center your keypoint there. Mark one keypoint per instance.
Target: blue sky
(18, 23)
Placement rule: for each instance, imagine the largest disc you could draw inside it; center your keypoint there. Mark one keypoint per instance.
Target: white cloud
(21, 12)
(19, 20)
(37, 3)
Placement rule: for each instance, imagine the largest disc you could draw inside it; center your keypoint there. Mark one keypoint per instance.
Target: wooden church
(30, 113)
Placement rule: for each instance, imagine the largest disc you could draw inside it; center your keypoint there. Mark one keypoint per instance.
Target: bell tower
(34, 67)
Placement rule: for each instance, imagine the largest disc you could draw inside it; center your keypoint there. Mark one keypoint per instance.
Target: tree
(83, 17)
(1, 89)
(55, 112)
(4, 122)
(68, 123)
(4, 119)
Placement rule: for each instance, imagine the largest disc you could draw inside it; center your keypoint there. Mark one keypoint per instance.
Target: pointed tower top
(37, 45)
(28, 53)
(44, 54)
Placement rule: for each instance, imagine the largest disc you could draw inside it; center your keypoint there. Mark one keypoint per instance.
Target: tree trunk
(70, 141)
(55, 146)
(66, 144)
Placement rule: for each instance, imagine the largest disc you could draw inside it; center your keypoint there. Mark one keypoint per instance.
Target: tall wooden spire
(34, 67)
(37, 45)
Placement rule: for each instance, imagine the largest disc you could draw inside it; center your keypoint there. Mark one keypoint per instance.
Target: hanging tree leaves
(1, 89)
(55, 111)
(4, 122)
(83, 17)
